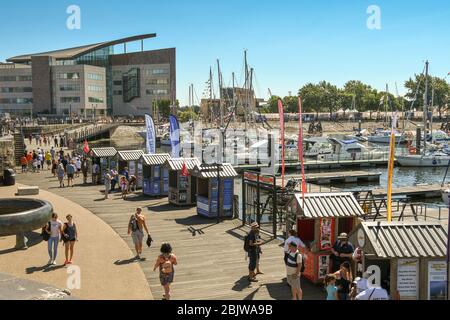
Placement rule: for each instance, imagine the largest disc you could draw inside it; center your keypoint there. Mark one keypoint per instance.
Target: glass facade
(15, 89)
(15, 78)
(131, 85)
(16, 101)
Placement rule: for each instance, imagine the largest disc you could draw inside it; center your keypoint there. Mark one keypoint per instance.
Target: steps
(19, 146)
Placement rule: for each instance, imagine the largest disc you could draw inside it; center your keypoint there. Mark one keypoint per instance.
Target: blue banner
(174, 136)
(151, 134)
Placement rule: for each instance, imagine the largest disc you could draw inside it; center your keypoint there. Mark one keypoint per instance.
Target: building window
(16, 101)
(159, 71)
(117, 73)
(157, 91)
(15, 78)
(117, 82)
(131, 87)
(16, 89)
(95, 76)
(117, 92)
(157, 81)
(70, 100)
(94, 88)
(69, 87)
(95, 100)
(69, 75)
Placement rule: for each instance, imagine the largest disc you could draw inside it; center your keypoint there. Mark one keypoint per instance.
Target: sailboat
(427, 158)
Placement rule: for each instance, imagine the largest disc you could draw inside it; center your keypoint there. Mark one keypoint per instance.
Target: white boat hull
(445, 195)
(423, 161)
(385, 139)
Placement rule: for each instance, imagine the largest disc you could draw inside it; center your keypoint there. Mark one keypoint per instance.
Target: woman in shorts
(166, 262)
(70, 237)
(124, 187)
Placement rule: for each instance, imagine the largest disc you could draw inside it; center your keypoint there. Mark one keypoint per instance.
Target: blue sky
(289, 42)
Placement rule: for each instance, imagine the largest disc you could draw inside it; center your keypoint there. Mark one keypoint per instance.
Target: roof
(155, 159)
(104, 152)
(210, 171)
(407, 239)
(73, 53)
(329, 205)
(130, 155)
(176, 164)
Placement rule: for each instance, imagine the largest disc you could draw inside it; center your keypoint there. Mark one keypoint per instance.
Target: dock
(417, 191)
(324, 178)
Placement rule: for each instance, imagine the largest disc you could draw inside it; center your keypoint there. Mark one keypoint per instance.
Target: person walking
(48, 159)
(165, 263)
(252, 246)
(60, 172)
(136, 225)
(55, 141)
(114, 180)
(343, 280)
(54, 167)
(107, 179)
(52, 153)
(78, 166)
(95, 173)
(132, 186)
(24, 163)
(84, 170)
(294, 263)
(54, 229)
(71, 169)
(30, 161)
(123, 187)
(70, 236)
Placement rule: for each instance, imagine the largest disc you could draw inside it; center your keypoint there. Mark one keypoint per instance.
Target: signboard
(140, 174)
(326, 233)
(262, 179)
(437, 280)
(324, 262)
(408, 279)
(228, 188)
(132, 167)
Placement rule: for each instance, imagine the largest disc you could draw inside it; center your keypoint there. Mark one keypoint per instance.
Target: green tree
(187, 115)
(164, 108)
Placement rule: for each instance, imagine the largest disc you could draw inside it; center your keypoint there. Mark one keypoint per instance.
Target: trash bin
(9, 177)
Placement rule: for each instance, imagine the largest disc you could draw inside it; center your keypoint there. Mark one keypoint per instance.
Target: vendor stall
(208, 196)
(321, 217)
(155, 175)
(106, 158)
(409, 257)
(182, 188)
(131, 159)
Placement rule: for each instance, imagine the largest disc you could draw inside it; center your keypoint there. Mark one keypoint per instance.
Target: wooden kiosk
(131, 160)
(409, 256)
(106, 158)
(182, 190)
(208, 195)
(320, 219)
(155, 175)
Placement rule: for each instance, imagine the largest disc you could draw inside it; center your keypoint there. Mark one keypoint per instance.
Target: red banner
(300, 144)
(281, 114)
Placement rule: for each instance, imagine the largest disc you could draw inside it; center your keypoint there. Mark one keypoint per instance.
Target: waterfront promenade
(211, 258)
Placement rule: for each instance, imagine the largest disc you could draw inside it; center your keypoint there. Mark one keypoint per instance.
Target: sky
(289, 42)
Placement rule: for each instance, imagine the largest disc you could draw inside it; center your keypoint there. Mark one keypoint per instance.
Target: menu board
(326, 233)
(437, 280)
(408, 279)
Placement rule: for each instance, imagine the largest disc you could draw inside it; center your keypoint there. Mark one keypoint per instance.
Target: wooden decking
(424, 191)
(212, 263)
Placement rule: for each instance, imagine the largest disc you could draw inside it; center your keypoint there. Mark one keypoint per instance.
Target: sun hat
(343, 236)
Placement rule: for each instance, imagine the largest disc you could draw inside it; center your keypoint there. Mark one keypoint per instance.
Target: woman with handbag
(69, 237)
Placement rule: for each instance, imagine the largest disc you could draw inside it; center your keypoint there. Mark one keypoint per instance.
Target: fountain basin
(20, 215)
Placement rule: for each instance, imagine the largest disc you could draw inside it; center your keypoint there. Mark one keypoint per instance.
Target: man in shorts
(293, 270)
(135, 228)
(71, 169)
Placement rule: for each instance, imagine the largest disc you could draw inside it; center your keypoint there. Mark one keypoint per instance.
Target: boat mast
(211, 94)
(219, 75)
(432, 108)
(386, 103)
(234, 96)
(245, 88)
(425, 108)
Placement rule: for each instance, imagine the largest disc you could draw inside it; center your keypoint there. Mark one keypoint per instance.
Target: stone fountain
(20, 215)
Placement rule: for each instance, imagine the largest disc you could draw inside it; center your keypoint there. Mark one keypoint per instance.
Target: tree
(187, 115)
(164, 108)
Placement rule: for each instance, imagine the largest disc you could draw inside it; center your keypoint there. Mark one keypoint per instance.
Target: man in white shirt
(292, 238)
(373, 293)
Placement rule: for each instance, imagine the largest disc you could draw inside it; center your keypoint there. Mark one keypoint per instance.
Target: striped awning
(176, 164)
(328, 205)
(104, 152)
(130, 155)
(155, 159)
(210, 171)
(405, 239)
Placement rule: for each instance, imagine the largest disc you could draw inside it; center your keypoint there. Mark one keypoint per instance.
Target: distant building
(89, 80)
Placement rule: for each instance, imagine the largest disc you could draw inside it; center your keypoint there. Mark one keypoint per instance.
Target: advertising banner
(437, 280)
(151, 134)
(408, 279)
(174, 136)
(326, 233)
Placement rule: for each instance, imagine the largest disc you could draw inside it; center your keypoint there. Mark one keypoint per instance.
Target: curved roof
(73, 53)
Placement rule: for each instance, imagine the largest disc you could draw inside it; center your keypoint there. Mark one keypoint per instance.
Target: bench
(27, 191)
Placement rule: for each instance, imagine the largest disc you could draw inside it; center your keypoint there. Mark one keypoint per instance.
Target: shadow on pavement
(34, 238)
(241, 284)
(125, 262)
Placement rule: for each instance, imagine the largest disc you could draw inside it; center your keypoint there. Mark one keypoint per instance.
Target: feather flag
(86, 147)
(281, 114)
(300, 145)
(391, 169)
(184, 170)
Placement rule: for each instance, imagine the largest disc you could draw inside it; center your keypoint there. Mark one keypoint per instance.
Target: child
(330, 286)
(124, 187)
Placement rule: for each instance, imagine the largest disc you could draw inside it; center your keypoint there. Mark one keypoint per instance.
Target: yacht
(350, 150)
(429, 159)
(384, 137)
(314, 147)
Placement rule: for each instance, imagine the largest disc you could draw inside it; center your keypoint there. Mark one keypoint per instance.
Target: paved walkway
(212, 263)
(100, 254)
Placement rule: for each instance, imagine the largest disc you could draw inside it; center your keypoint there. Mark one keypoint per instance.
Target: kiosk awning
(104, 152)
(155, 159)
(210, 171)
(176, 164)
(405, 239)
(328, 205)
(130, 155)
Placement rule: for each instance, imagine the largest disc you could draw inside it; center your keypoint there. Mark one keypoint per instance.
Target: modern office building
(89, 80)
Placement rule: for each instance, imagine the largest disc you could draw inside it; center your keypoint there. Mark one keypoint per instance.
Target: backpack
(44, 234)
(167, 266)
(134, 224)
(247, 243)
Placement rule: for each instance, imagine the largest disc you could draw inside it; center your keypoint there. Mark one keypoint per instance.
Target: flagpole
(281, 115)
(300, 146)
(391, 169)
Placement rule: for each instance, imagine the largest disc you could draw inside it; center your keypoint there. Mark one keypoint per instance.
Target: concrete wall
(42, 80)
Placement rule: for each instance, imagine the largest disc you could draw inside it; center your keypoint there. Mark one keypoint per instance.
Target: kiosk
(182, 189)
(408, 256)
(208, 196)
(155, 175)
(106, 158)
(131, 160)
(321, 217)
